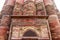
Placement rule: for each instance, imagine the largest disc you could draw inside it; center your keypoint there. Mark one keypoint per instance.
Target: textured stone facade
(29, 20)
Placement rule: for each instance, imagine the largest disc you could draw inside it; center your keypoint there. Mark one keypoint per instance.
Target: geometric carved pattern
(21, 27)
(29, 21)
(19, 31)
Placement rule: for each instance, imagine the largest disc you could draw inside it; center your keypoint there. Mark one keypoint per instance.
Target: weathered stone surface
(2, 38)
(50, 10)
(29, 21)
(41, 29)
(17, 9)
(20, 1)
(15, 32)
(40, 7)
(26, 21)
(7, 10)
(16, 21)
(40, 21)
(53, 20)
(19, 31)
(54, 25)
(10, 2)
(3, 32)
(36, 25)
(29, 8)
(48, 2)
(5, 20)
(58, 15)
(44, 32)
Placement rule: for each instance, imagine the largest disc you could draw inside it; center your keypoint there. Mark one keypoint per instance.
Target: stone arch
(30, 33)
(32, 28)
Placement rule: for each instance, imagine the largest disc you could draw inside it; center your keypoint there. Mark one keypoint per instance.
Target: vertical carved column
(53, 19)
(3, 32)
(55, 27)
(29, 8)
(15, 33)
(49, 7)
(18, 7)
(8, 7)
(40, 7)
(5, 20)
(6, 11)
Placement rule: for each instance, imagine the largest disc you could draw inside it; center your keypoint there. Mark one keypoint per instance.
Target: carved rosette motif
(3, 32)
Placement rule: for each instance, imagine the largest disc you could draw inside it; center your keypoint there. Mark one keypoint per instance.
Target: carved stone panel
(7, 10)
(29, 8)
(40, 7)
(50, 10)
(18, 32)
(17, 9)
(5, 20)
(22, 21)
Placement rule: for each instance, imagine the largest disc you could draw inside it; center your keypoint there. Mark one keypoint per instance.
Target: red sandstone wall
(10, 2)
(29, 9)
(5, 21)
(3, 32)
(8, 7)
(18, 7)
(50, 9)
(40, 8)
(55, 27)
